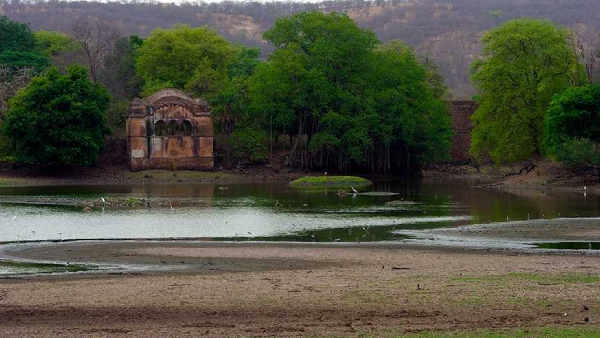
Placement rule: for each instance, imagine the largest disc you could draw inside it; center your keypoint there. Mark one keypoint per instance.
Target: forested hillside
(447, 31)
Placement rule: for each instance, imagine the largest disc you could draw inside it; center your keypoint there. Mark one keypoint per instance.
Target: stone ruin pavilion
(170, 130)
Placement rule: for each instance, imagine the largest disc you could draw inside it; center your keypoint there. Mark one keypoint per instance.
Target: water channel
(273, 211)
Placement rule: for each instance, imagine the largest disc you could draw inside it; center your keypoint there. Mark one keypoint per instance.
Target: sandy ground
(255, 290)
(562, 229)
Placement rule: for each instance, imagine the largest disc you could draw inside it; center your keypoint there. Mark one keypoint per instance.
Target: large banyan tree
(353, 104)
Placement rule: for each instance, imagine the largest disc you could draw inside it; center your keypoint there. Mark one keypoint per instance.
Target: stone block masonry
(170, 130)
(462, 126)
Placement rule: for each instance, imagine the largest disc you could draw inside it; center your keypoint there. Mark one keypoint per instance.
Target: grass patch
(540, 278)
(43, 267)
(182, 174)
(331, 182)
(529, 333)
(570, 279)
(9, 182)
(471, 301)
(474, 279)
(133, 200)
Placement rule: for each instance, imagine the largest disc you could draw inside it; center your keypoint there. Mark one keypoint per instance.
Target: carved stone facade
(170, 130)
(461, 112)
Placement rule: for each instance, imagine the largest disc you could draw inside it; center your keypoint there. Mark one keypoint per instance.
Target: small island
(338, 182)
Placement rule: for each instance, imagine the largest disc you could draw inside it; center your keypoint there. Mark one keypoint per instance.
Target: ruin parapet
(462, 126)
(169, 130)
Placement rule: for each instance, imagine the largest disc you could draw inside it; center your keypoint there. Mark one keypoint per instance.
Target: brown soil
(562, 230)
(11, 175)
(112, 168)
(233, 290)
(547, 175)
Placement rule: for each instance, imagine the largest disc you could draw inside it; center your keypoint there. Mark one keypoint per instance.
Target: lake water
(273, 211)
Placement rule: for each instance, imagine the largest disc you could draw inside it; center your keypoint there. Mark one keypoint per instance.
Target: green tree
(572, 134)
(244, 62)
(249, 142)
(318, 66)
(173, 57)
(524, 63)
(18, 48)
(58, 120)
(580, 155)
(15, 36)
(118, 73)
(228, 96)
(52, 43)
(206, 82)
(573, 114)
(434, 79)
(359, 107)
(119, 76)
(11, 82)
(30, 59)
(408, 98)
(229, 104)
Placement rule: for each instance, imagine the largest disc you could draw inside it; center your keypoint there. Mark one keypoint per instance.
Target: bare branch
(97, 37)
(588, 53)
(11, 81)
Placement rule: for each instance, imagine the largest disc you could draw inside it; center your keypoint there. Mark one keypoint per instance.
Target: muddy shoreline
(266, 290)
(190, 288)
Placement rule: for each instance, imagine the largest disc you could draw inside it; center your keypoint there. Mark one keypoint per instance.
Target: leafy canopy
(361, 107)
(573, 114)
(230, 102)
(15, 36)
(52, 43)
(524, 63)
(580, 154)
(572, 134)
(58, 120)
(118, 72)
(174, 57)
(18, 48)
(434, 79)
(15, 60)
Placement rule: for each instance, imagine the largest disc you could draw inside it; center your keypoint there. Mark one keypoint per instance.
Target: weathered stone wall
(461, 112)
(169, 129)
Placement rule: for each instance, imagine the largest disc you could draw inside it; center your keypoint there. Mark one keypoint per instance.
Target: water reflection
(274, 211)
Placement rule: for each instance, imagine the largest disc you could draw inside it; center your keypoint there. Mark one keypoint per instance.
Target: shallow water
(273, 211)
(569, 245)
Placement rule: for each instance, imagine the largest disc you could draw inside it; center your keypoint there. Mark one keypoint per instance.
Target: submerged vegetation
(28, 267)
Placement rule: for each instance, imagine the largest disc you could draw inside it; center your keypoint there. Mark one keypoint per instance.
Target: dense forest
(447, 31)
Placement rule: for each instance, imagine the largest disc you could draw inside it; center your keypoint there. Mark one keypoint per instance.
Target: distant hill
(446, 30)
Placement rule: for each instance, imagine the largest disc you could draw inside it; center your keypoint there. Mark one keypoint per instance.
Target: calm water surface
(274, 211)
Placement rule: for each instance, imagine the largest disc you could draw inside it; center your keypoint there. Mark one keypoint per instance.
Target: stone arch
(160, 128)
(165, 127)
(186, 127)
(173, 128)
